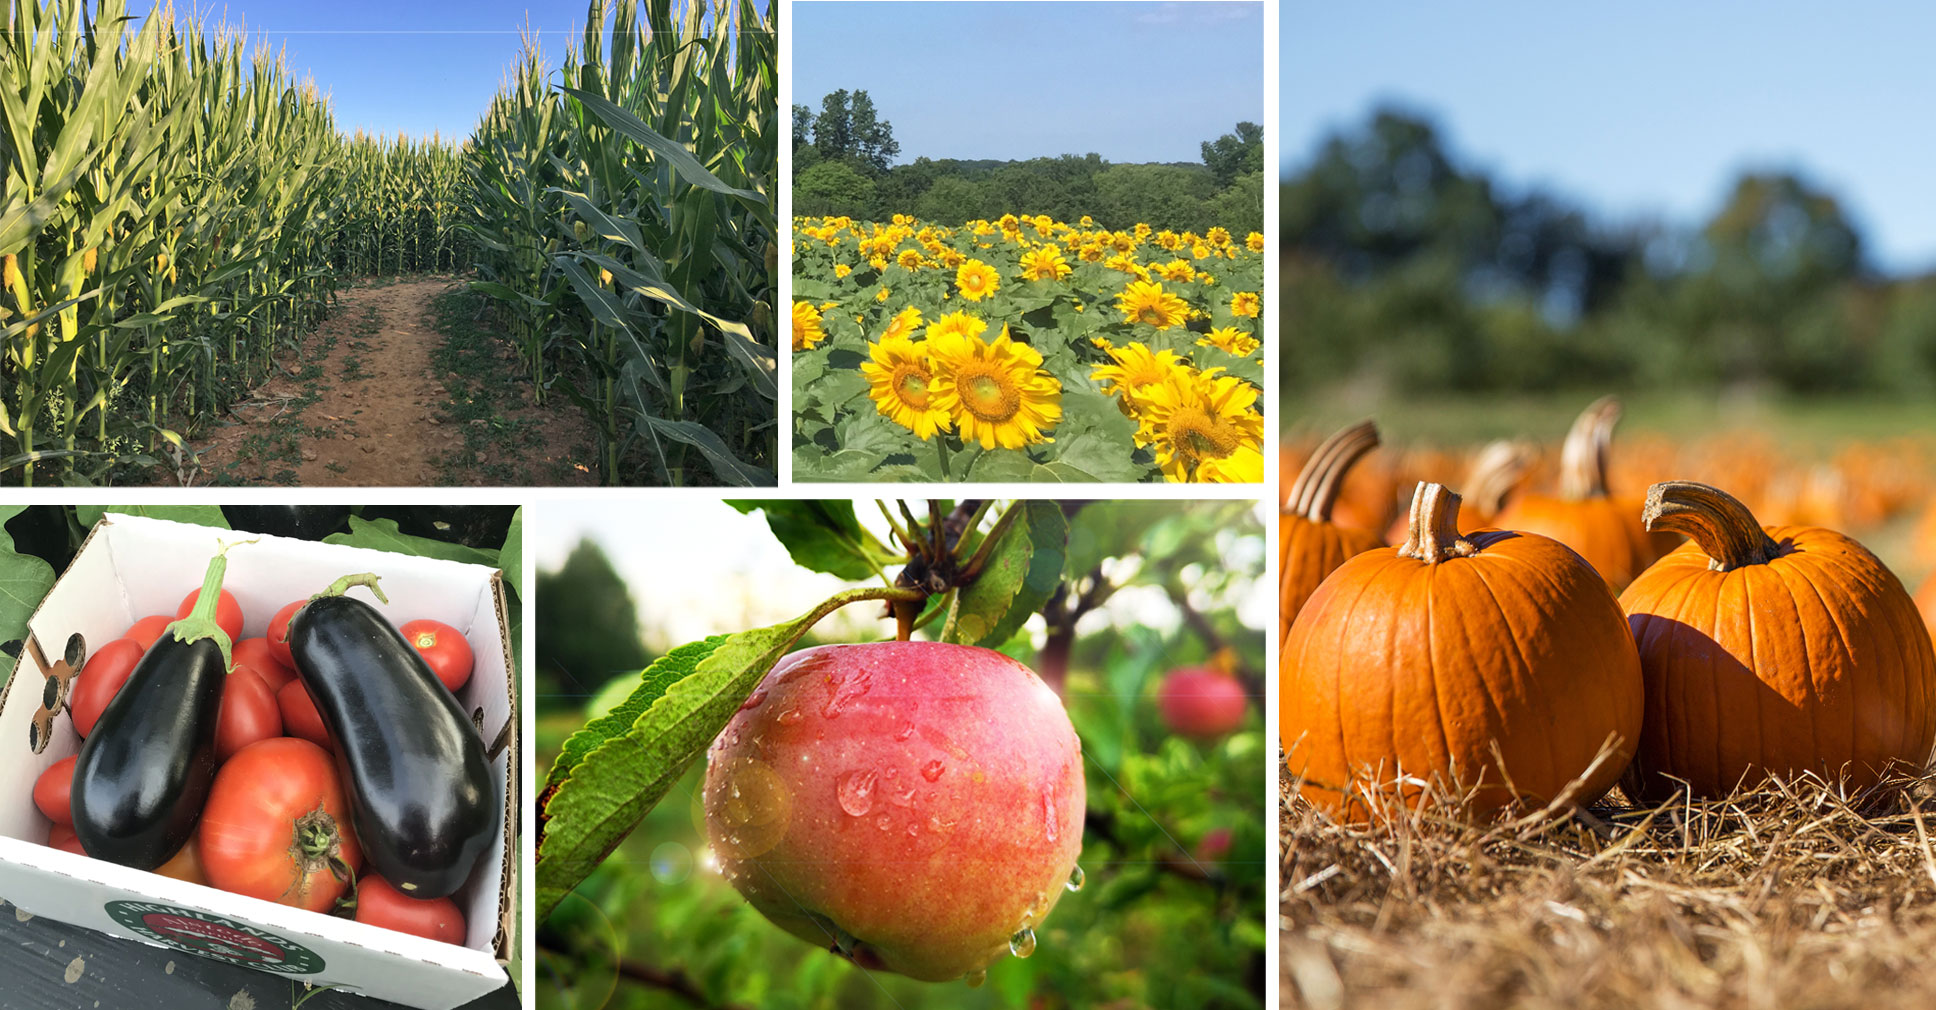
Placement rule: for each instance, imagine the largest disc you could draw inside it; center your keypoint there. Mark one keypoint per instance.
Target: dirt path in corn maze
(401, 386)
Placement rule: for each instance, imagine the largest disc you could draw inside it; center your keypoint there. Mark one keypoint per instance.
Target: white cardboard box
(134, 566)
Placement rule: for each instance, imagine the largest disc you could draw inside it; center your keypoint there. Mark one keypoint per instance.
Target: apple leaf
(822, 535)
(607, 781)
(24, 582)
(1023, 568)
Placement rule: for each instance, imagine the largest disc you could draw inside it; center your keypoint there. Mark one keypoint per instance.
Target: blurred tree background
(843, 166)
(1172, 913)
(1407, 273)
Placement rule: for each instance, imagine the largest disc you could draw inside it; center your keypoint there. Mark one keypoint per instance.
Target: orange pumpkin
(1309, 544)
(1495, 662)
(1772, 649)
(1604, 530)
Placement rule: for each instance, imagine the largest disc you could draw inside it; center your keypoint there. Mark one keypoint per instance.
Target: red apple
(914, 805)
(1201, 703)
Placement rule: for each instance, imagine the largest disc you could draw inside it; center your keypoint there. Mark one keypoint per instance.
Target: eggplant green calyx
(200, 622)
(343, 585)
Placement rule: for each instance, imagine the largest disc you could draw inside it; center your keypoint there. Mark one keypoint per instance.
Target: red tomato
(50, 791)
(257, 656)
(299, 715)
(278, 635)
(101, 679)
(444, 648)
(249, 713)
(145, 631)
(379, 904)
(228, 613)
(62, 836)
(186, 864)
(276, 825)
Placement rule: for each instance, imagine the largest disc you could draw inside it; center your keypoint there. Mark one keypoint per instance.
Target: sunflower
(1136, 370)
(806, 326)
(842, 270)
(1218, 236)
(1044, 263)
(996, 393)
(1245, 466)
(1229, 340)
(1245, 303)
(909, 259)
(977, 280)
(900, 381)
(903, 324)
(1147, 302)
(954, 324)
(1201, 426)
(1254, 242)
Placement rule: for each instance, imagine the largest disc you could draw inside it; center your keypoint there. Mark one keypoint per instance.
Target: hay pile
(1788, 895)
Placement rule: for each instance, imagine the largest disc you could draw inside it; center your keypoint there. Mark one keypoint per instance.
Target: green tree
(833, 134)
(1235, 154)
(1162, 196)
(832, 188)
(588, 626)
(873, 137)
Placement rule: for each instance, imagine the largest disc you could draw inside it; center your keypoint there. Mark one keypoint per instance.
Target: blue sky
(1132, 82)
(410, 66)
(1644, 109)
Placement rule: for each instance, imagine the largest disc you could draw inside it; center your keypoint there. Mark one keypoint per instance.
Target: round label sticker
(215, 937)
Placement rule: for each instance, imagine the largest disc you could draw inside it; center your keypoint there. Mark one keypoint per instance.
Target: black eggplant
(145, 770)
(483, 526)
(420, 787)
(304, 522)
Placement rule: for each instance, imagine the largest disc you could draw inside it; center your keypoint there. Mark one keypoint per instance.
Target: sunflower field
(1025, 349)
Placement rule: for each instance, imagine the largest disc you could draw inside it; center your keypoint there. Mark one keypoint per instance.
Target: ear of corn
(175, 209)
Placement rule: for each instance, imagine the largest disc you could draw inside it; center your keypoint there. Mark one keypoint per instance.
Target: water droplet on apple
(913, 829)
(1075, 879)
(975, 978)
(940, 826)
(1022, 944)
(845, 691)
(905, 731)
(883, 822)
(903, 799)
(855, 791)
(790, 717)
(932, 770)
(753, 700)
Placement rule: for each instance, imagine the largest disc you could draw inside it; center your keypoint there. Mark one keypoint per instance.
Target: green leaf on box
(383, 535)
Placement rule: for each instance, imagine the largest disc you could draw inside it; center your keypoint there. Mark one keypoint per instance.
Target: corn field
(624, 222)
(176, 211)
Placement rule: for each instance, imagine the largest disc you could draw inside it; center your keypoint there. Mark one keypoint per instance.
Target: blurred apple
(1202, 703)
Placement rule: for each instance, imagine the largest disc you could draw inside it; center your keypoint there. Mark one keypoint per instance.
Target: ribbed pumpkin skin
(1816, 660)
(1396, 664)
(1307, 552)
(1604, 531)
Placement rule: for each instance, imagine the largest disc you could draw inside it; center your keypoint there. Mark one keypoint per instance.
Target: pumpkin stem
(1711, 517)
(1495, 472)
(1583, 457)
(1434, 533)
(1318, 483)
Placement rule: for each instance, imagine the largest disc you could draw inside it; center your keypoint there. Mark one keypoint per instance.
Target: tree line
(843, 164)
(1403, 268)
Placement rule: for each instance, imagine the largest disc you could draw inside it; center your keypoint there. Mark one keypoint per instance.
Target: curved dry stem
(1583, 458)
(1495, 472)
(1316, 489)
(1434, 533)
(1727, 532)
